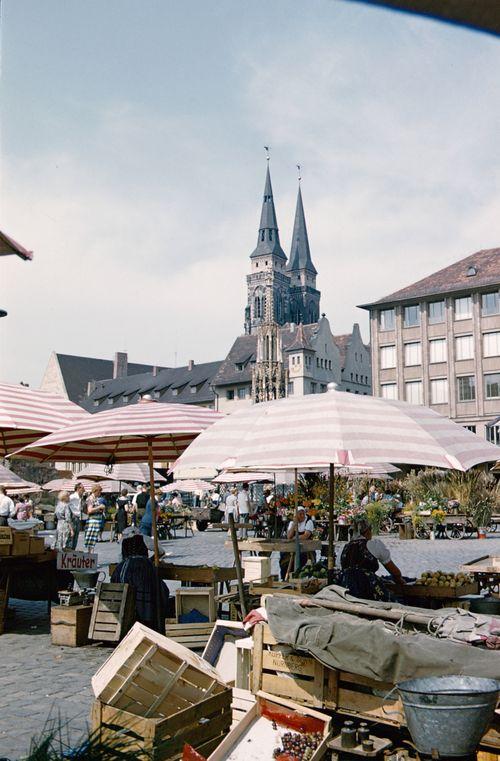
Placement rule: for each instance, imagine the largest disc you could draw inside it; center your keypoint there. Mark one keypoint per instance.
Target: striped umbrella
(146, 430)
(336, 428)
(187, 486)
(9, 246)
(241, 476)
(68, 484)
(26, 414)
(130, 471)
(12, 481)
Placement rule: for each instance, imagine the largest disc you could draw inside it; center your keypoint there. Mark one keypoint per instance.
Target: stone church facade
(287, 347)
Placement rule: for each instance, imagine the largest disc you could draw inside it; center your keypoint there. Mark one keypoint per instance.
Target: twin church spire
(290, 283)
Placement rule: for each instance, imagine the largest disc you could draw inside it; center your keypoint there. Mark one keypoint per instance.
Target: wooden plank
(346, 677)
(165, 690)
(202, 733)
(289, 663)
(370, 706)
(258, 643)
(193, 714)
(150, 651)
(298, 689)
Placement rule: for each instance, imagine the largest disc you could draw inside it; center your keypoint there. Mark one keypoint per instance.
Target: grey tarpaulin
(372, 648)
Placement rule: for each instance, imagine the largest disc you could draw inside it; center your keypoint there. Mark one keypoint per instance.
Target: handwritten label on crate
(294, 664)
(71, 560)
(5, 535)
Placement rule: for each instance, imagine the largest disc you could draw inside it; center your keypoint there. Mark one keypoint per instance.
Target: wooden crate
(200, 598)
(113, 612)
(315, 685)
(242, 702)
(193, 636)
(6, 535)
(37, 545)
(256, 569)
(203, 725)
(255, 728)
(69, 624)
(448, 593)
(221, 648)
(156, 692)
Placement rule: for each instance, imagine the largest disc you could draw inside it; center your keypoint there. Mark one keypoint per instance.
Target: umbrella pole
(297, 540)
(153, 503)
(331, 553)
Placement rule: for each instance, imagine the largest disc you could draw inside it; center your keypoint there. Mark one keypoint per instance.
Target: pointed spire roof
(268, 241)
(300, 253)
(300, 341)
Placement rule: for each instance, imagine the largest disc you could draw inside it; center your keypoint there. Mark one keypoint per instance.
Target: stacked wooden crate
(156, 695)
(189, 599)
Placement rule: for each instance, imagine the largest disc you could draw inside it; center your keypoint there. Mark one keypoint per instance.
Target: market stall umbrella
(67, 484)
(241, 477)
(188, 486)
(146, 430)
(12, 481)
(130, 471)
(9, 247)
(26, 414)
(332, 429)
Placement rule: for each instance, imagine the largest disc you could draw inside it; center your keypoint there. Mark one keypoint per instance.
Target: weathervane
(266, 148)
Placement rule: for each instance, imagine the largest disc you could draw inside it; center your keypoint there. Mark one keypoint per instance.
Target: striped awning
(125, 434)
(131, 471)
(337, 428)
(188, 486)
(68, 484)
(26, 414)
(12, 481)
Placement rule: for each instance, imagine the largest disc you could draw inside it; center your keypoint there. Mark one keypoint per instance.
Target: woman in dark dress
(138, 571)
(121, 518)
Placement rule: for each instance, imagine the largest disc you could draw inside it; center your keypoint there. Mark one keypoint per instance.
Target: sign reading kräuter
(71, 560)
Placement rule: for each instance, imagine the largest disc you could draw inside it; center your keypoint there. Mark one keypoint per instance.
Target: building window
(471, 428)
(490, 303)
(230, 394)
(436, 312)
(313, 388)
(491, 344)
(192, 389)
(439, 391)
(96, 403)
(437, 350)
(413, 354)
(411, 316)
(323, 388)
(317, 362)
(386, 319)
(242, 393)
(466, 388)
(414, 392)
(464, 347)
(463, 308)
(389, 391)
(492, 385)
(125, 398)
(493, 434)
(387, 357)
(290, 388)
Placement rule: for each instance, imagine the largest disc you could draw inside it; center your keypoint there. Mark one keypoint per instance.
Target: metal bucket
(87, 579)
(448, 714)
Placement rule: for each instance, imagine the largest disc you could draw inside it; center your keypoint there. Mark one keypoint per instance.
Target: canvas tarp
(372, 647)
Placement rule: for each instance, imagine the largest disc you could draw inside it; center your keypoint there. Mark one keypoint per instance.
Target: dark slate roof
(452, 279)
(78, 371)
(300, 253)
(243, 354)
(268, 228)
(342, 343)
(300, 343)
(172, 384)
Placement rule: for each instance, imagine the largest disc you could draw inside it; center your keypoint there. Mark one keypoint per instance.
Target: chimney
(120, 365)
(155, 371)
(190, 365)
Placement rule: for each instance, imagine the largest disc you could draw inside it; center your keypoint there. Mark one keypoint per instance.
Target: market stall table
(486, 570)
(276, 545)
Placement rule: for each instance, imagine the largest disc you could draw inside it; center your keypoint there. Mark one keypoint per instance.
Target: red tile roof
(453, 279)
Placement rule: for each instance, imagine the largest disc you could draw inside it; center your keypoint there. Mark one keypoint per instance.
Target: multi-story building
(437, 342)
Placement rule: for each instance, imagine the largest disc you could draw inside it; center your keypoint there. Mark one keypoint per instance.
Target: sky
(132, 164)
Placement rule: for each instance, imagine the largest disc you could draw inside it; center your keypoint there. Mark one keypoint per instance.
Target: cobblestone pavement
(39, 680)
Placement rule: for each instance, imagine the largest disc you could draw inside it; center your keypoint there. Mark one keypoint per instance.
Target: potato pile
(443, 579)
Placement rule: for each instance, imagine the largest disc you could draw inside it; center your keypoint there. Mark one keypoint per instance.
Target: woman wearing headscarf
(138, 571)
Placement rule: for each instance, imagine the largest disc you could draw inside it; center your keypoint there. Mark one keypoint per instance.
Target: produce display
(312, 571)
(297, 747)
(443, 579)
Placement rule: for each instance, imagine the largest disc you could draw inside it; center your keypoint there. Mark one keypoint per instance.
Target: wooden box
(221, 648)
(113, 612)
(256, 569)
(242, 702)
(193, 636)
(316, 685)
(20, 543)
(158, 695)
(69, 625)
(201, 599)
(6, 535)
(256, 738)
(448, 593)
(37, 545)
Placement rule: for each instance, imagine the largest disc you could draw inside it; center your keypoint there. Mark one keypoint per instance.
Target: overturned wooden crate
(113, 612)
(158, 695)
(284, 672)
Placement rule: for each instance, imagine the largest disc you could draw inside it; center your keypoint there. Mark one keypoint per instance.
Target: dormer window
(125, 398)
(96, 403)
(270, 234)
(110, 400)
(193, 389)
(175, 392)
(156, 395)
(262, 234)
(471, 271)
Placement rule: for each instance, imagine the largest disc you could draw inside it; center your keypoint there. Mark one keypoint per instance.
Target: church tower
(268, 269)
(304, 298)
(269, 375)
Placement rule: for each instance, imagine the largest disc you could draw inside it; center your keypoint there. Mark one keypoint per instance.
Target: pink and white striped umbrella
(187, 486)
(336, 428)
(68, 484)
(26, 414)
(13, 482)
(130, 471)
(241, 476)
(125, 434)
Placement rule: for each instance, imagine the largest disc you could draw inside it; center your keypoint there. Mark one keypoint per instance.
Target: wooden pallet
(113, 612)
(157, 695)
(291, 674)
(193, 636)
